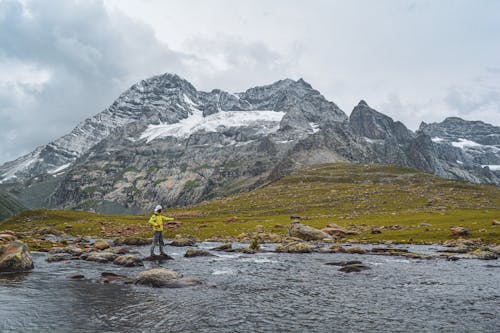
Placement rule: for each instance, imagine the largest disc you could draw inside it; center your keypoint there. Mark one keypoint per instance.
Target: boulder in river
(128, 260)
(356, 250)
(223, 247)
(484, 255)
(164, 278)
(15, 257)
(73, 250)
(197, 253)
(294, 247)
(101, 257)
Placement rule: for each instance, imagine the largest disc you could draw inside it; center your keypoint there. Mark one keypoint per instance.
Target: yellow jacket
(157, 221)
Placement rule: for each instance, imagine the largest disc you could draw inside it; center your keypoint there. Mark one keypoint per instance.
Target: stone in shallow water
(164, 278)
(59, 257)
(76, 276)
(223, 247)
(128, 261)
(197, 253)
(15, 257)
(101, 245)
(353, 268)
(108, 277)
(73, 250)
(132, 241)
(101, 257)
(344, 263)
(294, 247)
(159, 257)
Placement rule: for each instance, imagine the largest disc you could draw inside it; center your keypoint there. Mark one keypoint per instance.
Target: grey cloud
(91, 57)
(466, 104)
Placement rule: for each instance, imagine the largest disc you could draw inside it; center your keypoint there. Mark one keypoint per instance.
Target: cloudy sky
(64, 60)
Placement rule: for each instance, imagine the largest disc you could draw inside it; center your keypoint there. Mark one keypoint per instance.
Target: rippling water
(266, 292)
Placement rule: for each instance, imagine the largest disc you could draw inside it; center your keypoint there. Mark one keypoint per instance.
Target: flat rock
(73, 250)
(164, 278)
(459, 231)
(484, 255)
(108, 277)
(76, 276)
(306, 232)
(101, 245)
(7, 237)
(197, 253)
(158, 257)
(15, 257)
(344, 263)
(59, 257)
(223, 247)
(355, 250)
(295, 247)
(353, 268)
(128, 261)
(132, 241)
(102, 257)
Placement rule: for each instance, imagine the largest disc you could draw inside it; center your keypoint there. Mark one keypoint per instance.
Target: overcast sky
(63, 60)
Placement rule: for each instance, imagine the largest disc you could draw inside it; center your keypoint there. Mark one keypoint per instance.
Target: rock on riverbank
(15, 257)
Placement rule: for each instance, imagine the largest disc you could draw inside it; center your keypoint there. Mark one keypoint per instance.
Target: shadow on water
(13, 277)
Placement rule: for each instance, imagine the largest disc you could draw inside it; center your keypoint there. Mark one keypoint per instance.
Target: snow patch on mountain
(492, 167)
(196, 122)
(59, 169)
(462, 143)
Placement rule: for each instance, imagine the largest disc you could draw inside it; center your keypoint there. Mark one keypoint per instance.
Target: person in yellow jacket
(157, 222)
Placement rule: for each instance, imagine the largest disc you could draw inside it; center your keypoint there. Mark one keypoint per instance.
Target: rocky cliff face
(163, 141)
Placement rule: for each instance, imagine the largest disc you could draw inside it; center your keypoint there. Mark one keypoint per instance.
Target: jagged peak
(169, 80)
(362, 103)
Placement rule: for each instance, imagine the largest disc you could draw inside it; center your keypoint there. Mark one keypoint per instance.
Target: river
(265, 292)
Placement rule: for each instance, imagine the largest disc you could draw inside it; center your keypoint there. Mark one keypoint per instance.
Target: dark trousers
(157, 240)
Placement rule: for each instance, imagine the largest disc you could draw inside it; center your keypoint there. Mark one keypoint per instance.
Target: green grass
(353, 196)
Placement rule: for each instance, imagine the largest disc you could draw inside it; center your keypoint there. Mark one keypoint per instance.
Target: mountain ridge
(162, 140)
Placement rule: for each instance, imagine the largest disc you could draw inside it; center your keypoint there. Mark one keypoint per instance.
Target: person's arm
(166, 218)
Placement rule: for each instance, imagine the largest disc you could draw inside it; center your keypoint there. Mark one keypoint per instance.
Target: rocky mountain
(469, 143)
(163, 141)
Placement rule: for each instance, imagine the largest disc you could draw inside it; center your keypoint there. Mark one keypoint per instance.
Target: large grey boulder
(15, 257)
(307, 233)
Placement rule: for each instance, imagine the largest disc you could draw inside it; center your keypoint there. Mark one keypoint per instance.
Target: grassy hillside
(404, 204)
(9, 206)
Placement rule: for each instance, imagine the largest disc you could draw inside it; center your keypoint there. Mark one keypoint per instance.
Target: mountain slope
(406, 205)
(9, 206)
